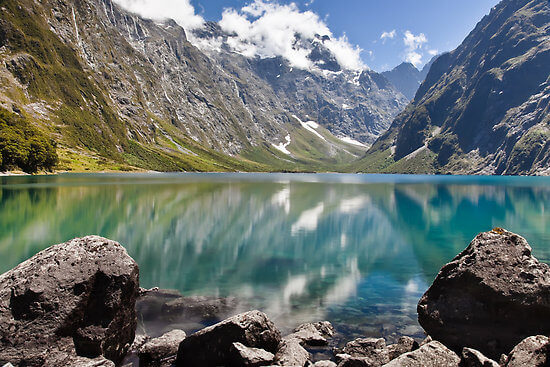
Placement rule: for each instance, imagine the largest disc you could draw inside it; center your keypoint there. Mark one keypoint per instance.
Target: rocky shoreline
(78, 304)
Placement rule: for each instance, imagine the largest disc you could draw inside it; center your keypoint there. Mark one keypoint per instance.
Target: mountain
(407, 78)
(117, 91)
(484, 108)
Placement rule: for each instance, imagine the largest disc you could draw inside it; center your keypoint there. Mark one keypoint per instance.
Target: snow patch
(347, 139)
(282, 146)
(310, 126)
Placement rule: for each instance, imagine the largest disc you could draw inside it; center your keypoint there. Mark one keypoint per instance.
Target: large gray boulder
(433, 354)
(73, 298)
(534, 351)
(490, 297)
(213, 346)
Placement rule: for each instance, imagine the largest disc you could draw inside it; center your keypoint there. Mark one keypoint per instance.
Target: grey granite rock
(77, 298)
(213, 345)
(490, 297)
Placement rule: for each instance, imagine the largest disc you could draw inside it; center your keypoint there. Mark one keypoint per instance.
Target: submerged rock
(75, 298)
(433, 354)
(158, 349)
(313, 334)
(490, 297)
(213, 346)
(533, 351)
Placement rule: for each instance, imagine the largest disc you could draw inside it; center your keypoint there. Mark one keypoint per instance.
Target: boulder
(313, 334)
(433, 354)
(158, 349)
(368, 352)
(474, 358)
(533, 351)
(213, 346)
(250, 357)
(490, 297)
(405, 344)
(77, 297)
(291, 353)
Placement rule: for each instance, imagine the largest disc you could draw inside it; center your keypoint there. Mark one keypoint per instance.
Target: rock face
(73, 298)
(433, 354)
(155, 350)
(213, 346)
(534, 351)
(490, 297)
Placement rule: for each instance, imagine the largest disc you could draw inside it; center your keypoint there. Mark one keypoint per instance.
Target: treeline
(23, 146)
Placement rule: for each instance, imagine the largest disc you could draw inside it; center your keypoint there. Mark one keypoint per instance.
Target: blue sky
(444, 24)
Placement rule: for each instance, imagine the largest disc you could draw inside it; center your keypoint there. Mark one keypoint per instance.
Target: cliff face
(131, 91)
(484, 107)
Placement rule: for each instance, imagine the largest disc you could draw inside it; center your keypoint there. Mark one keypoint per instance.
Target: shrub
(23, 145)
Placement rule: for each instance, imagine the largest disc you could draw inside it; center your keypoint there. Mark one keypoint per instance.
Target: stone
(324, 364)
(313, 334)
(533, 351)
(474, 358)
(433, 354)
(368, 352)
(250, 357)
(213, 345)
(157, 349)
(405, 344)
(291, 353)
(491, 296)
(78, 297)
(426, 340)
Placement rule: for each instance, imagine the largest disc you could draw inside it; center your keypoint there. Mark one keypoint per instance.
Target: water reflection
(357, 250)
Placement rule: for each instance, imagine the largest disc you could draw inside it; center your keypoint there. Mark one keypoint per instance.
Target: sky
(379, 34)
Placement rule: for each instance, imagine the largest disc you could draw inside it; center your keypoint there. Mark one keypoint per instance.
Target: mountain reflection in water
(357, 250)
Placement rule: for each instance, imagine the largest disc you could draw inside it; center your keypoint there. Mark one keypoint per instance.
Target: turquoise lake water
(357, 250)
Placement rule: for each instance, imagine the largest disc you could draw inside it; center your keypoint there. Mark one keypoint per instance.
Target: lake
(357, 250)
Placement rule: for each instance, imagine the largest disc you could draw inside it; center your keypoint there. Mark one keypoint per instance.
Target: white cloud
(414, 58)
(414, 42)
(179, 10)
(269, 29)
(414, 45)
(388, 35)
(433, 52)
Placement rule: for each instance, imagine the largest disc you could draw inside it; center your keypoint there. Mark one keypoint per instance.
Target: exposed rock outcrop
(213, 346)
(490, 297)
(72, 299)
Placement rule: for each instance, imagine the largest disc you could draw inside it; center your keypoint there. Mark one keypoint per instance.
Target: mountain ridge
(113, 87)
(483, 108)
